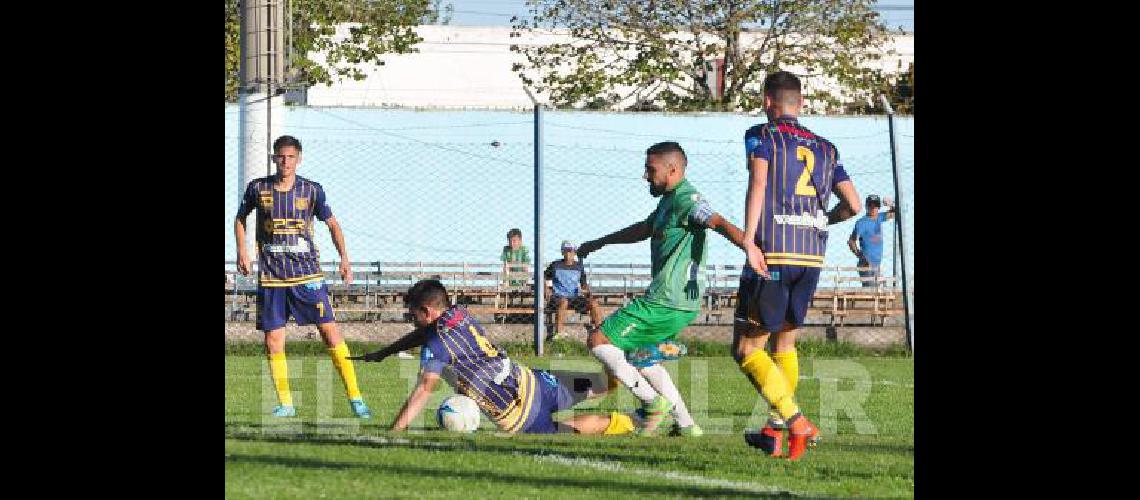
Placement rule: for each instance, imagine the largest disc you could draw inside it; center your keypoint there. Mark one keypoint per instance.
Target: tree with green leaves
(654, 52)
(377, 27)
(899, 89)
(439, 13)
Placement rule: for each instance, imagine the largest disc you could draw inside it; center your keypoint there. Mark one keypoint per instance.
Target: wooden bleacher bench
(378, 288)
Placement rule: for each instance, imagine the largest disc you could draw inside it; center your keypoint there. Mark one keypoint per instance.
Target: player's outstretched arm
(728, 230)
(639, 231)
(416, 400)
(414, 339)
(848, 206)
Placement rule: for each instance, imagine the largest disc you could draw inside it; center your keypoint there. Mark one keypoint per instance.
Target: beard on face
(656, 191)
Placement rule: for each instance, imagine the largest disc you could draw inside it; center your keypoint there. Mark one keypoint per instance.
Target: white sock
(614, 359)
(659, 378)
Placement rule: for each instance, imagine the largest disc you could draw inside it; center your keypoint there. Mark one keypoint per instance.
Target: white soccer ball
(458, 413)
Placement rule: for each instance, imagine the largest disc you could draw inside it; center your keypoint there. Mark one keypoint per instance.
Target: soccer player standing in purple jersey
(791, 175)
(290, 281)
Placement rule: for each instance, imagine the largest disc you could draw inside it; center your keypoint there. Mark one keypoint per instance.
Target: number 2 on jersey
(805, 155)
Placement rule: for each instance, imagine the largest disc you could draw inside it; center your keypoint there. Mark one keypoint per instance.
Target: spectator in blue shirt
(564, 278)
(866, 240)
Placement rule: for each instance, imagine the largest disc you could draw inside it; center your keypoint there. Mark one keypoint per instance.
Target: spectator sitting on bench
(514, 253)
(563, 279)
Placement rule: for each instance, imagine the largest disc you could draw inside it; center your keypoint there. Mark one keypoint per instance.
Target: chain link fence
(433, 194)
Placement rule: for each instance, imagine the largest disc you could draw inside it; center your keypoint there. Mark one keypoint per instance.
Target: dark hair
(514, 232)
(286, 140)
(427, 293)
(666, 148)
(782, 86)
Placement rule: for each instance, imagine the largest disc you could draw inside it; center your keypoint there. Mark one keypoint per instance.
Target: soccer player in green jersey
(676, 230)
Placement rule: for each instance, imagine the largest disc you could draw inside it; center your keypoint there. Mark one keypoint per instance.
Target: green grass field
(863, 405)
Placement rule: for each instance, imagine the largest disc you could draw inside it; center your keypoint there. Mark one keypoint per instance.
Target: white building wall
(461, 67)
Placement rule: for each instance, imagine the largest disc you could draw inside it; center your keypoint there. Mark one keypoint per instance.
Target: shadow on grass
(324, 433)
(616, 485)
(893, 449)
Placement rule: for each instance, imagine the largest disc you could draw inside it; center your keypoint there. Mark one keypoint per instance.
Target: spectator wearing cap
(566, 288)
(515, 252)
(866, 240)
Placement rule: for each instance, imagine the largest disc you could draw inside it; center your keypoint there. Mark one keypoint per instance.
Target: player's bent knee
(596, 338)
(746, 340)
(741, 352)
(275, 340)
(328, 328)
(619, 423)
(741, 349)
(587, 424)
(785, 340)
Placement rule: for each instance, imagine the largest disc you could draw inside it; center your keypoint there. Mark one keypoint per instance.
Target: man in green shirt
(676, 230)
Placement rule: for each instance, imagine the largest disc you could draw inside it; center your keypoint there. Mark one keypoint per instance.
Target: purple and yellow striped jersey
(479, 369)
(803, 170)
(286, 252)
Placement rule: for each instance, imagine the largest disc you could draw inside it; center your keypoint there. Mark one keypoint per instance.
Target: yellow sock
(789, 363)
(279, 371)
(767, 379)
(620, 423)
(344, 367)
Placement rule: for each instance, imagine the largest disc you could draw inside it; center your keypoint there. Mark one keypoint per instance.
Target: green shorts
(642, 324)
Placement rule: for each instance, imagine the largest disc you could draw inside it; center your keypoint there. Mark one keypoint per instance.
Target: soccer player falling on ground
(518, 399)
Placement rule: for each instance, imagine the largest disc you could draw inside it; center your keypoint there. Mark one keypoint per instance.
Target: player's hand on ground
(756, 259)
(346, 272)
(243, 264)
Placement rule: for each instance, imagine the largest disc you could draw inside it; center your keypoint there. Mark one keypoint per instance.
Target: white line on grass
(875, 382)
(658, 474)
(402, 441)
(553, 458)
